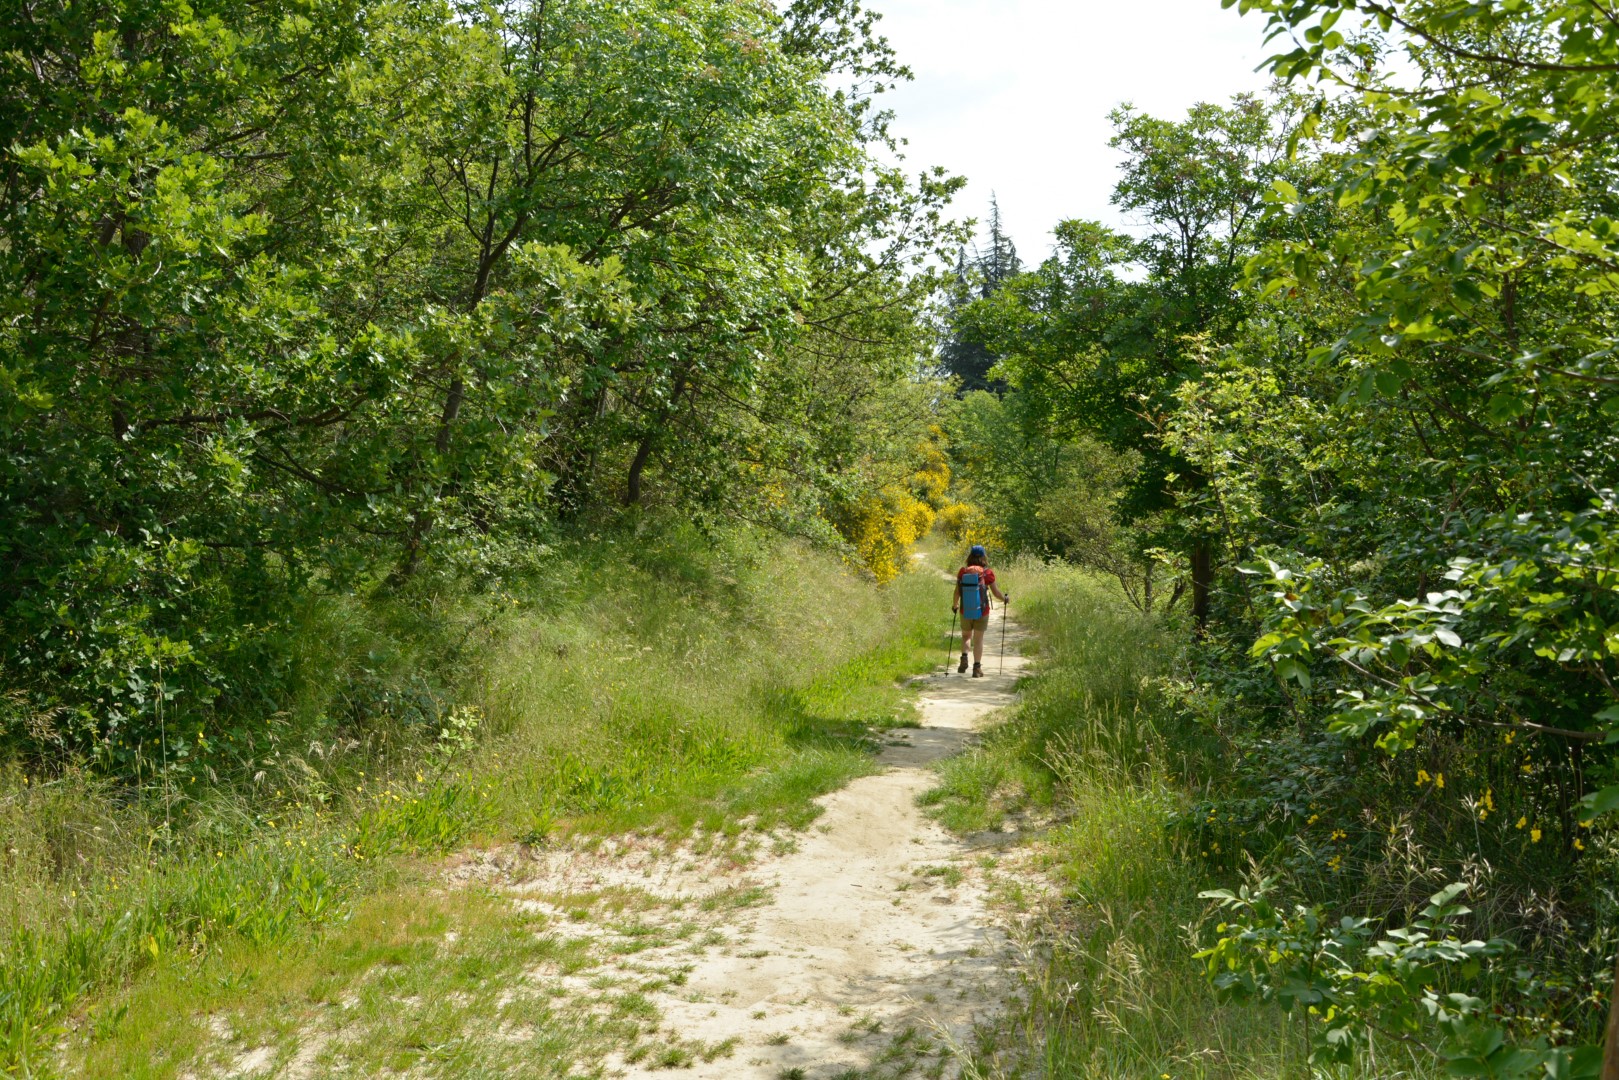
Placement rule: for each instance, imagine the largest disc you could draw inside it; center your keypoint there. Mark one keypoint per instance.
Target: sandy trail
(875, 947)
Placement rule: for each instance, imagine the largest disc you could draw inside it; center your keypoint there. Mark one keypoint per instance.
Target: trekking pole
(950, 643)
(1006, 609)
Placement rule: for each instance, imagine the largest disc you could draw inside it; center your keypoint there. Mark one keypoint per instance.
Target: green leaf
(1600, 803)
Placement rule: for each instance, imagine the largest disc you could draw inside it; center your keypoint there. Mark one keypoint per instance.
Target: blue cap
(978, 551)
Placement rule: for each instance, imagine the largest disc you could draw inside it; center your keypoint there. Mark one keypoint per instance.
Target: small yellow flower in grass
(1534, 836)
(1523, 821)
(1579, 845)
(1313, 819)
(1422, 777)
(1439, 781)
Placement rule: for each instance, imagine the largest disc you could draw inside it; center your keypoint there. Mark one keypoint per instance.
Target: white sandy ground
(863, 937)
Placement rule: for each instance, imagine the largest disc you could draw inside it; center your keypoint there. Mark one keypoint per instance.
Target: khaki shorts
(981, 623)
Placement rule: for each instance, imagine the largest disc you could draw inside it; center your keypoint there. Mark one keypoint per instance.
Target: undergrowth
(1096, 749)
(663, 682)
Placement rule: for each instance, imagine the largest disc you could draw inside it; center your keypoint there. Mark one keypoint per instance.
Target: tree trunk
(452, 409)
(1610, 1054)
(1202, 581)
(632, 484)
(643, 452)
(422, 520)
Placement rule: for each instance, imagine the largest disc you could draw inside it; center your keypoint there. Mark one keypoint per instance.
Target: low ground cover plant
(1207, 865)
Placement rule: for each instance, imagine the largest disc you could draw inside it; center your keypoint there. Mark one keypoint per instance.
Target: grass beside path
(673, 690)
(1095, 748)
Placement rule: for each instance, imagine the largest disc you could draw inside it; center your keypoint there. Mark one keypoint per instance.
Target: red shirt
(988, 579)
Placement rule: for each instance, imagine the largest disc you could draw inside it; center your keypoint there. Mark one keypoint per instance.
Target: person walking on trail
(975, 584)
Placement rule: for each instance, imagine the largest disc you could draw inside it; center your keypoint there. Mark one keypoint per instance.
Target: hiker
(974, 584)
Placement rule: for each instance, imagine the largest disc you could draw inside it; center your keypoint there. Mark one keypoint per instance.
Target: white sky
(1014, 94)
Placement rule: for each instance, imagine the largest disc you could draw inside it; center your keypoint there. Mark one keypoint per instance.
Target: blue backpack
(973, 601)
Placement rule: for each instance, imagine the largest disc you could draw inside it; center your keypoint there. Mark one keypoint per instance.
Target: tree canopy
(303, 298)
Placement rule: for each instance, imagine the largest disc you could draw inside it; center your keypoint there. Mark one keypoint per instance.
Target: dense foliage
(1366, 361)
(305, 299)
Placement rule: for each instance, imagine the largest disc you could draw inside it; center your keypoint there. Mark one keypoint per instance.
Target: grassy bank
(1095, 749)
(661, 683)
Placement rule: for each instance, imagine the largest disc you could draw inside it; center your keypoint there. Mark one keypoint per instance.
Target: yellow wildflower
(1534, 836)
(1422, 777)
(1523, 821)
(1439, 781)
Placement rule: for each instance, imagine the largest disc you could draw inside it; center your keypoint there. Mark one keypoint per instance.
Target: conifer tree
(964, 353)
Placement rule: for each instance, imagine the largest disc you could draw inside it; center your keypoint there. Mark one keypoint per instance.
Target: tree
(1098, 352)
(964, 353)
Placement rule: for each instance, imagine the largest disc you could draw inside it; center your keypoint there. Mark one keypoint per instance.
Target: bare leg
(978, 645)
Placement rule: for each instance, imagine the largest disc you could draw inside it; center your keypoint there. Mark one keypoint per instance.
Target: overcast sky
(1014, 94)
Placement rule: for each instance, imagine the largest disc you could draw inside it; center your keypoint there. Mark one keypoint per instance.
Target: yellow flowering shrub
(883, 526)
(965, 523)
(931, 480)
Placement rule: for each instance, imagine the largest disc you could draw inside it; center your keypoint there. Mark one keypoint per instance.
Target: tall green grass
(1094, 748)
(659, 681)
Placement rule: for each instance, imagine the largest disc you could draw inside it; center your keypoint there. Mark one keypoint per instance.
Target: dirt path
(861, 948)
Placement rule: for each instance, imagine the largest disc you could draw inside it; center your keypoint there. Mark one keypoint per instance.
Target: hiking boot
(961, 668)
(978, 671)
